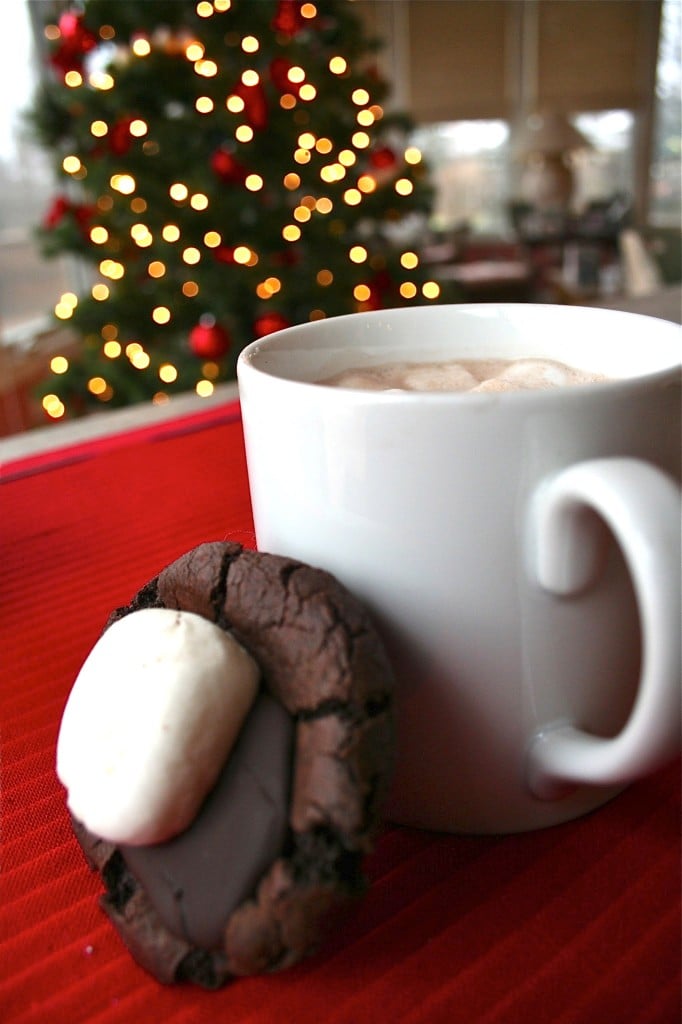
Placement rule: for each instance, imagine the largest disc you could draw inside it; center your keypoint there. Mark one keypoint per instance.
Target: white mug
(520, 552)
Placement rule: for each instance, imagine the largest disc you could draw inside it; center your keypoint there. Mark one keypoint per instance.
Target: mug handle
(641, 506)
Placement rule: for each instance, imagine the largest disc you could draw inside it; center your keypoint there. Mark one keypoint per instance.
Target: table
(578, 923)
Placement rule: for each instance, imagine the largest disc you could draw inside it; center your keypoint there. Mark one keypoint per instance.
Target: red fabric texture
(577, 924)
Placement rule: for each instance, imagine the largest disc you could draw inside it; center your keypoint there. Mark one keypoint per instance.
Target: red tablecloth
(579, 923)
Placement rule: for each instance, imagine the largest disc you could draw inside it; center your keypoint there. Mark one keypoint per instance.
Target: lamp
(545, 144)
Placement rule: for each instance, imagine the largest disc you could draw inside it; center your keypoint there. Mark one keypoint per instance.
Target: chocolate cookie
(306, 779)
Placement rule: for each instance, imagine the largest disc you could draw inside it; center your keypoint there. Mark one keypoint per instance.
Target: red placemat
(579, 923)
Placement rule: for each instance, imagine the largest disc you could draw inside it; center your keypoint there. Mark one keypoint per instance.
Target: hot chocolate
(473, 375)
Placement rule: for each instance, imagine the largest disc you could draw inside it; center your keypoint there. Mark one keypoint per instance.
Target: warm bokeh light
(168, 373)
(101, 80)
(97, 385)
(53, 406)
(71, 164)
(178, 191)
(123, 183)
(408, 290)
(194, 51)
(206, 68)
(141, 47)
(112, 269)
(409, 260)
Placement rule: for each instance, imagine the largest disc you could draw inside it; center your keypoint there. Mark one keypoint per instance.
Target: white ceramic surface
(536, 648)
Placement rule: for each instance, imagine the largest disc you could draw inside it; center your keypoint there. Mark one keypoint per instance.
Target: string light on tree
(252, 180)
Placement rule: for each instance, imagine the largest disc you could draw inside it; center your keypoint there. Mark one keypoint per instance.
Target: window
(26, 187)
(666, 175)
(608, 167)
(470, 173)
(474, 174)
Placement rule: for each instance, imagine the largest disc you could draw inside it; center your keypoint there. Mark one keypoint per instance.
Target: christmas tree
(227, 169)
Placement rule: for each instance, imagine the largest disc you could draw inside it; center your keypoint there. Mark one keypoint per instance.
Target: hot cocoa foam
(471, 375)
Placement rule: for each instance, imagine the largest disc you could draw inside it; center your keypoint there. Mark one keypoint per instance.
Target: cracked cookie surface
(322, 660)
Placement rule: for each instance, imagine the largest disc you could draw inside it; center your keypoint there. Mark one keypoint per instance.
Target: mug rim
(666, 366)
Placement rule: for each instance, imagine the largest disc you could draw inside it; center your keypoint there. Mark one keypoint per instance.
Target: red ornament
(288, 20)
(255, 104)
(209, 340)
(119, 138)
(227, 167)
(224, 253)
(55, 215)
(279, 76)
(383, 158)
(73, 31)
(75, 40)
(288, 257)
(84, 213)
(268, 323)
(62, 207)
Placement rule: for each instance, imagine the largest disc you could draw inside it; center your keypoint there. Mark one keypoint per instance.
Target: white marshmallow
(149, 723)
(438, 377)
